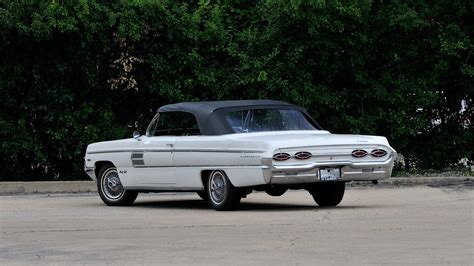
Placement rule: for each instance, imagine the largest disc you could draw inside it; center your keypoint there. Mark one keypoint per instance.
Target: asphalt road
(416, 225)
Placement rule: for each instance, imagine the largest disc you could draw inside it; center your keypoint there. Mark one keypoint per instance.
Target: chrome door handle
(170, 145)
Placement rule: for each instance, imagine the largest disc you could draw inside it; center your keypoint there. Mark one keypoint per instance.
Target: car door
(154, 154)
(154, 159)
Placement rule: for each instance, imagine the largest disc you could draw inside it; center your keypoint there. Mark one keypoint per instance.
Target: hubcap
(111, 185)
(217, 185)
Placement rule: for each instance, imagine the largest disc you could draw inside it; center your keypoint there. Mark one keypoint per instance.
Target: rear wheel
(222, 194)
(328, 194)
(110, 188)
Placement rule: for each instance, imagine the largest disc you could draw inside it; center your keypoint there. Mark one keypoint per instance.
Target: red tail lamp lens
(282, 156)
(378, 153)
(359, 153)
(303, 155)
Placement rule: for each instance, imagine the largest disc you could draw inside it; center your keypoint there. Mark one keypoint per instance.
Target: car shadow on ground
(244, 206)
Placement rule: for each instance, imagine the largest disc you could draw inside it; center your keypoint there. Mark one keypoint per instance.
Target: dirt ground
(411, 225)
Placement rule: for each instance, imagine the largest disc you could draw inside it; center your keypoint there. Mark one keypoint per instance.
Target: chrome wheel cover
(111, 185)
(217, 187)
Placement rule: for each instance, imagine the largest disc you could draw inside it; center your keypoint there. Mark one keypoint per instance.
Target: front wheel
(222, 194)
(328, 194)
(110, 188)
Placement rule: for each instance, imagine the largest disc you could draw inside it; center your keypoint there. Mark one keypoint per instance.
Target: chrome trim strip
(331, 154)
(117, 151)
(156, 187)
(137, 155)
(176, 150)
(310, 166)
(328, 155)
(137, 158)
(203, 166)
(295, 175)
(211, 150)
(352, 145)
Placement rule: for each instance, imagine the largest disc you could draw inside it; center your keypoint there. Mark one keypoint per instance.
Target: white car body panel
(165, 163)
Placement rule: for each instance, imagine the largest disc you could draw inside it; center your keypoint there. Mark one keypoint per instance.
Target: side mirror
(136, 135)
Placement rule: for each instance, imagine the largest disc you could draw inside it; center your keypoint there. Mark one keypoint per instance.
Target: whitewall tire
(110, 187)
(221, 193)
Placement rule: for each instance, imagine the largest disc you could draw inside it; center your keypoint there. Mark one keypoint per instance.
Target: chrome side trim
(365, 145)
(218, 151)
(120, 151)
(137, 158)
(176, 150)
(156, 187)
(204, 166)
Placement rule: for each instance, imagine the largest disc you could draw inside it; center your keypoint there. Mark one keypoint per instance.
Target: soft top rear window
(256, 120)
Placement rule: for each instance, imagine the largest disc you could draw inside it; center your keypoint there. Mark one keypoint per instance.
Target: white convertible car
(224, 150)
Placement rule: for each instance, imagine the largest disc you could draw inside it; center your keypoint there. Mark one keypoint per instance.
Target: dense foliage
(76, 72)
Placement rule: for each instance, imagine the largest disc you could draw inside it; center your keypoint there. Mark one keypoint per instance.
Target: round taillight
(359, 153)
(282, 156)
(378, 153)
(303, 155)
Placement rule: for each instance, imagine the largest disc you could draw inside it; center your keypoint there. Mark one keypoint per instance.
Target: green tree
(76, 72)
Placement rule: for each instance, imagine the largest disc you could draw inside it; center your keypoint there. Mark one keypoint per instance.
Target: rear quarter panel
(195, 154)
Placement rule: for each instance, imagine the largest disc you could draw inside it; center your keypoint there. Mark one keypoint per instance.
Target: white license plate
(329, 174)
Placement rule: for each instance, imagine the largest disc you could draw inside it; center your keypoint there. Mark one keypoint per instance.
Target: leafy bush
(76, 72)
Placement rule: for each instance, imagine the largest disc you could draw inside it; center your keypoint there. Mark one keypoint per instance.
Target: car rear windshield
(256, 120)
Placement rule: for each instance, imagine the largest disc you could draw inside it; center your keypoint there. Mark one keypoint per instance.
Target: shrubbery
(75, 72)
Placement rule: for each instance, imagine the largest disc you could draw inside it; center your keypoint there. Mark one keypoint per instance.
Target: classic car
(224, 150)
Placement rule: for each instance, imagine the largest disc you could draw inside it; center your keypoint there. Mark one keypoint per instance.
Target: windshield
(256, 120)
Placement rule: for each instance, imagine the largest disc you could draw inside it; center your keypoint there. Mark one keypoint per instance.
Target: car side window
(177, 124)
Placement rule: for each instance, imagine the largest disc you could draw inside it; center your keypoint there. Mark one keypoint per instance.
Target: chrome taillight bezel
(378, 153)
(359, 153)
(281, 156)
(303, 155)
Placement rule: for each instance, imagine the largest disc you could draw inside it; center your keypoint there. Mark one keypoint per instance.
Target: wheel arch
(99, 164)
(206, 173)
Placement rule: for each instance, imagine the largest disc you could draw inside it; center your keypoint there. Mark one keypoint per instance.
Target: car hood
(110, 145)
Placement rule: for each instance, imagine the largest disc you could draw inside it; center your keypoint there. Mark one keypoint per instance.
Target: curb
(9, 188)
(47, 187)
(419, 181)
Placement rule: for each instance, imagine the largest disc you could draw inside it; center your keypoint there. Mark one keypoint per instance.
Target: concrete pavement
(90, 186)
(409, 225)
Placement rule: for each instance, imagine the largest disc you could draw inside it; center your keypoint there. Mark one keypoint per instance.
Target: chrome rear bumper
(309, 173)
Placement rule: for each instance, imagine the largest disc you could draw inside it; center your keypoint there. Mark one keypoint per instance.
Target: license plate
(329, 174)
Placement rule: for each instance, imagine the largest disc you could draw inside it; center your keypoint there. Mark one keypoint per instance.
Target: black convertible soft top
(210, 114)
